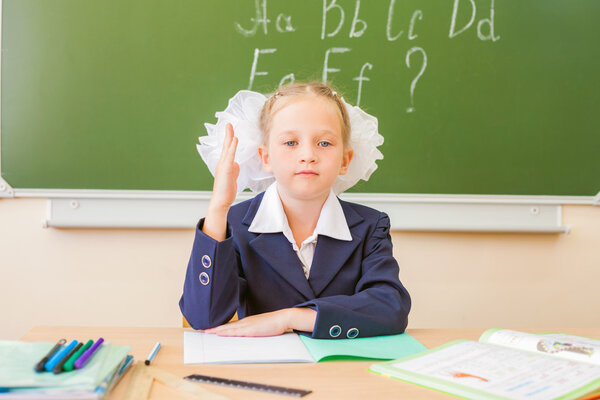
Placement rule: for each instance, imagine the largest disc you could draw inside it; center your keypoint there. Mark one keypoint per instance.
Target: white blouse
(271, 218)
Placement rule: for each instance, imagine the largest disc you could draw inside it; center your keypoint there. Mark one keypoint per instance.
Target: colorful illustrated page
(503, 371)
(556, 344)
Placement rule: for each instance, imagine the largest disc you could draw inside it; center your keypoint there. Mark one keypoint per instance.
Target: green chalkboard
(472, 96)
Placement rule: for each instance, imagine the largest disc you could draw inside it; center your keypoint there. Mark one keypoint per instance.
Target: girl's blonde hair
(286, 94)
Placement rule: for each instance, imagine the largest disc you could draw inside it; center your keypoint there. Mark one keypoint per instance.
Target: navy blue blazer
(353, 285)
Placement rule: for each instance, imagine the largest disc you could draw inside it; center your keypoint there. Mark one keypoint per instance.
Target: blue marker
(56, 358)
(152, 353)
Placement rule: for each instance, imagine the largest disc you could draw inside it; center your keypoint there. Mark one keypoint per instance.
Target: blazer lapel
(277, 251)
(331, 254)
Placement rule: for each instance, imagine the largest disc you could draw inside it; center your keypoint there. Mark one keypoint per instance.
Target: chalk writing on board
(287, 19)
(416, 14)
(326, 68)
(254, 72)
(357, 21)
(388, 28)
(326, 10)
(289, 78)
(489, 21)
(416, 78)
(360, 78)
(283, 22)
(333, 18)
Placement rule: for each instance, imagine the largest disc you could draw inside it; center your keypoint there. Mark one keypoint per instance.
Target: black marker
(39, 367)
(59, 367)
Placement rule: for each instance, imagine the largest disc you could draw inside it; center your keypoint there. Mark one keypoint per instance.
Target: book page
(204, 348)
(569, 347)
(495, 370)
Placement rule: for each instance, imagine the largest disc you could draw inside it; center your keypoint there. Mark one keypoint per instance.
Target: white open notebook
(203, 348)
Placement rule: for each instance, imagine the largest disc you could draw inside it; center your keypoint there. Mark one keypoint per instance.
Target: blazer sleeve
(214, 283)
(380, 303)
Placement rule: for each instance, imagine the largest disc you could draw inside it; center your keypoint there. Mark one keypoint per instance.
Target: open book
(505, 364)
(201, 348)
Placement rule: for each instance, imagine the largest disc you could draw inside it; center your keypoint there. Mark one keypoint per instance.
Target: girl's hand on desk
(269, 324)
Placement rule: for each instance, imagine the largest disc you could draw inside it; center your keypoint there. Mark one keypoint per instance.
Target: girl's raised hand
(226, 173)
(224, 188)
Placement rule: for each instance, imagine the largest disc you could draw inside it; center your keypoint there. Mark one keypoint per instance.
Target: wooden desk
(328, 380)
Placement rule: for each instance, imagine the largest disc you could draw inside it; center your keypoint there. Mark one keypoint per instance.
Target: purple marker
(85, 357)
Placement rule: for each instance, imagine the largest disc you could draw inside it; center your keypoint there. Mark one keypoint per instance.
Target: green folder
(378, 347)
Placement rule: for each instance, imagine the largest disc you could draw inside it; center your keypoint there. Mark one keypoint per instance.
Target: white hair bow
(243, 112)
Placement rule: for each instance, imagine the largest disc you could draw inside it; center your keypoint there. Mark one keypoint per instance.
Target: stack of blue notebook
(19, 380)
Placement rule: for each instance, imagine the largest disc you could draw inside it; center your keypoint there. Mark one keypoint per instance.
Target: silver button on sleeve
(352, 333)
(335, 331)
(204, 278)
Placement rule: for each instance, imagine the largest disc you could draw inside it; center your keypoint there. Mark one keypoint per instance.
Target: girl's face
(305, 150)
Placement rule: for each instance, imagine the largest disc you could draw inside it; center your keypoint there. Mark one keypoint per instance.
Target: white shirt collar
(270, 218)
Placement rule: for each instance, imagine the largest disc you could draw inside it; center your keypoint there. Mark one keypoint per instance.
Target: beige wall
(134, 277)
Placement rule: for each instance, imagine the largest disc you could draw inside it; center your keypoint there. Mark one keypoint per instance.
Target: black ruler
(248, 385)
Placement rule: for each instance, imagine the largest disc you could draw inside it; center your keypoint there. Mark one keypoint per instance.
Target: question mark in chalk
(416, 78)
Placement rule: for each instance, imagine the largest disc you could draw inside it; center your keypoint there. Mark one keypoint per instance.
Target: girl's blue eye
(290, 143)
(324, 144)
